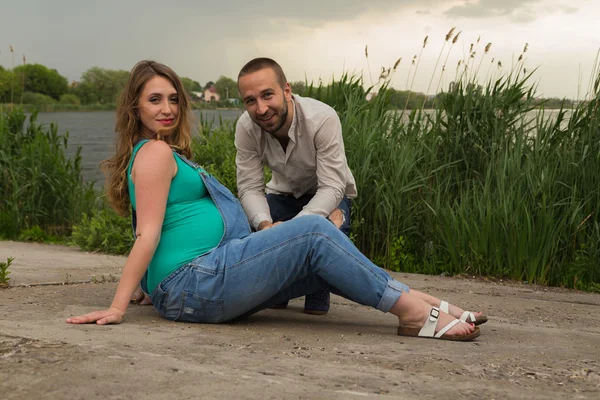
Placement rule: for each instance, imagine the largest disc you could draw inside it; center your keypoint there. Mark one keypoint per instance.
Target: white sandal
(428, 329)
(466, 316)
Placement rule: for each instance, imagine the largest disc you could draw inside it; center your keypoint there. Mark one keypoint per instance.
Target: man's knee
(278, 207)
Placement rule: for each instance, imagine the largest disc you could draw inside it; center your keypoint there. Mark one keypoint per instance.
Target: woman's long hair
(130, 130)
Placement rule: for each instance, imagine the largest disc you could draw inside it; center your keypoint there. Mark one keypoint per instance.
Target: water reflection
(94, 132)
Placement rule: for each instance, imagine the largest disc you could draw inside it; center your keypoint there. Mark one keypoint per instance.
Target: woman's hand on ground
(110, 316)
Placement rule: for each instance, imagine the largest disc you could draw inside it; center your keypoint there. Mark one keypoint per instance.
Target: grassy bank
(42, 191)
(477, 187)
(474, 187)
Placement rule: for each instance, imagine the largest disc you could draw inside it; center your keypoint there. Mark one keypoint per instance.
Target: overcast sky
(309, 38)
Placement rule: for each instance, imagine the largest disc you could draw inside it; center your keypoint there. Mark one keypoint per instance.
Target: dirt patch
(540, 343)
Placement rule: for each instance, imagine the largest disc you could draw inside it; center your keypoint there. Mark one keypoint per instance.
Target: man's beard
(283, 117)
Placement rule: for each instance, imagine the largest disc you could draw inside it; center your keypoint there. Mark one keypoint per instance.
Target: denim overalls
(248, 271)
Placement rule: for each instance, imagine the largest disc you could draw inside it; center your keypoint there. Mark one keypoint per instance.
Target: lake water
(94, 132)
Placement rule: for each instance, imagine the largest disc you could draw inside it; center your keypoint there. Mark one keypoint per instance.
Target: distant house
(211, 94)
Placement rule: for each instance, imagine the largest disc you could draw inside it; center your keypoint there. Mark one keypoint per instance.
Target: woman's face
(158, 106)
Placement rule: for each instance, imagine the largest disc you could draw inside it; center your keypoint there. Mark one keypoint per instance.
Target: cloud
(516, 10)
(423, 12)
(306, 12)
(568, 9)
(522, 17)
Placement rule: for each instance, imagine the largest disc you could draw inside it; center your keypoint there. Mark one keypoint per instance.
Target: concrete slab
(36, 264)
(540, 343)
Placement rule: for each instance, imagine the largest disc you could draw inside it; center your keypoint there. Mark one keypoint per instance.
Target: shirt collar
(294, 121)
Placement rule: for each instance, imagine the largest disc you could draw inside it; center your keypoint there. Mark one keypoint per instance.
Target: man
(300, 140)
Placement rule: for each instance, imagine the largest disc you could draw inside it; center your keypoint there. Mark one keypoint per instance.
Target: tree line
(37, 84)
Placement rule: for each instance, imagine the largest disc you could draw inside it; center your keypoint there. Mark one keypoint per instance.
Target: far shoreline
(56, 108)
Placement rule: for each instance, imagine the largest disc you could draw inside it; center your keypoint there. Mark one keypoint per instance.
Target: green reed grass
(486, 184)
(480, 186)
(4, 272)
(213, 148)
(39, 185)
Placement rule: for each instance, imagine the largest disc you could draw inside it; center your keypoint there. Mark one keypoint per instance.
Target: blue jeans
(248, 271)
(265, 268)
(284, 208)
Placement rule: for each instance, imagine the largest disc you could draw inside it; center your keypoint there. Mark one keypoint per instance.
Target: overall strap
(134, 152)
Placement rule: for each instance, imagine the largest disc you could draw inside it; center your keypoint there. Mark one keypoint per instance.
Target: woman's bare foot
(457, 312)
(412, 312)
(453, 310)
(139, 297)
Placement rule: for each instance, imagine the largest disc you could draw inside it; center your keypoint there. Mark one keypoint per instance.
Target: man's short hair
(261, 63)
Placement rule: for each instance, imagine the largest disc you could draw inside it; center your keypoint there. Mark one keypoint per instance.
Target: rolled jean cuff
(391, 294)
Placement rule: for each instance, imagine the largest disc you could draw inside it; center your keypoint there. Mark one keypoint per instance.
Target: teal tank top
(192, 226)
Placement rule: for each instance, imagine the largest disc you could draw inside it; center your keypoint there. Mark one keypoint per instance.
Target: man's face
(264, 99)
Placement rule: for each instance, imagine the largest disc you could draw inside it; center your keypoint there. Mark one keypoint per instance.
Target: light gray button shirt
(313, 163)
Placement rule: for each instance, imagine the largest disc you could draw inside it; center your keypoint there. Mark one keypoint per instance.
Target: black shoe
(317, 303)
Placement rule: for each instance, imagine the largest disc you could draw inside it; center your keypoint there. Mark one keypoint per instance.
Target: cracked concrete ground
(540, 343)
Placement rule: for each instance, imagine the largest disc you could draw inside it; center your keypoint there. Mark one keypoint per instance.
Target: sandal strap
(444, 306)
(467, 316)
(428, 329)
(446, 328)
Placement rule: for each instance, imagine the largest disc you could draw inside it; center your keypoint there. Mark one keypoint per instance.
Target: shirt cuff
(310, 212)
(258, 218)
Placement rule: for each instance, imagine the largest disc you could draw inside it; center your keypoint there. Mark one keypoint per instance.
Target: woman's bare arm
(153, 169)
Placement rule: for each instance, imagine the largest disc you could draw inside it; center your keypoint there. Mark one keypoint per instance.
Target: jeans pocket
(168, 306)
(195, 308)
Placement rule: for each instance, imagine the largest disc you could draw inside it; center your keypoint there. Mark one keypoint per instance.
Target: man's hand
(111, 316)
(337, 217)
(266, 225)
